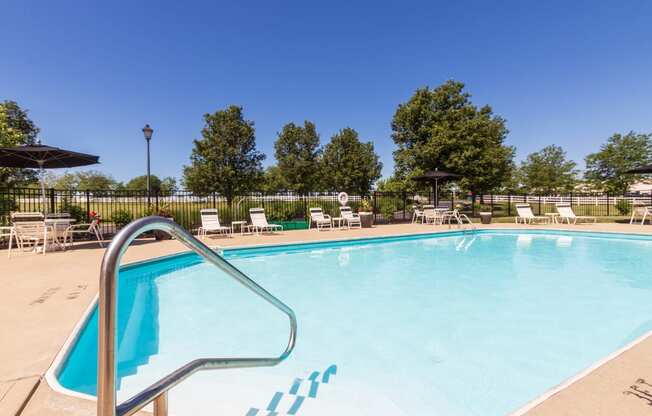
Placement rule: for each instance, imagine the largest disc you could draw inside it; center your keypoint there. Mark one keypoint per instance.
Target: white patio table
(59, 226)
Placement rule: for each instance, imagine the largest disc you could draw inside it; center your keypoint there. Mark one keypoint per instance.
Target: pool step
(291, 402)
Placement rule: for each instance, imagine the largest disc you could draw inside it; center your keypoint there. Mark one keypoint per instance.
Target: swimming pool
(478, 323)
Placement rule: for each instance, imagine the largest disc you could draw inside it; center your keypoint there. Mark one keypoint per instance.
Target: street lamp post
(147, 132)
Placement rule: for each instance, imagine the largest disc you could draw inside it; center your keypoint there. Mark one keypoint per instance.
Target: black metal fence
(289, 209)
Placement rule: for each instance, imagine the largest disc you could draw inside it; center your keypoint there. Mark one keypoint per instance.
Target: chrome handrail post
(106, 372)
(157, 392)
(161, 405)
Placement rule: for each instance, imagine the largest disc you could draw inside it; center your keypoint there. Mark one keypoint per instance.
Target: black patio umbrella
(42, 157)
(641, 169)
(434, 177)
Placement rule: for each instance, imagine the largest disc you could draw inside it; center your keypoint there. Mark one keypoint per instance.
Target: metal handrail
(157, 392)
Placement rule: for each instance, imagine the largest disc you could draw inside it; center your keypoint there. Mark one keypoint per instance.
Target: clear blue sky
(563, 72)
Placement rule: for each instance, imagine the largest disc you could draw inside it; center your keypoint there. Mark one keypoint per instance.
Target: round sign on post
(343, 198)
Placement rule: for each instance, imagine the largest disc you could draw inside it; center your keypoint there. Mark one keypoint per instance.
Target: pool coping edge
(577, 377)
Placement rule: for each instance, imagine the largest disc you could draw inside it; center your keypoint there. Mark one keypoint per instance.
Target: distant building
(644, 186)
(585, 187)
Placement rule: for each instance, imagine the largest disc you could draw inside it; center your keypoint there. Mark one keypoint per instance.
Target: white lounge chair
(645, 210)
(210, 223)
(320, 219)
(526, 216)
(31, 233)
(27, 216)
(259, 222)
(566, 213)
(92, 228)
(351, 219)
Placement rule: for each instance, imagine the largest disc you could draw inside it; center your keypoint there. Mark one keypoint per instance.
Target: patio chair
(352, 220)
(526, 216)
(320, 219)
(566, 213)
(259, 222)
(30, 234)
(210, 223)
(92, 228)
(7, 233)
(417, 214)
(647, 211)
(432, 215)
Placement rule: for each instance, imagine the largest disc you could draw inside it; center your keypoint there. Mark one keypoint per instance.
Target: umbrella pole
(436, 193)
(42, 179)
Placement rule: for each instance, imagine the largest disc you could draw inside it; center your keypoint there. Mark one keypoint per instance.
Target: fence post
(608, 210)
(374, 198)
(539, 204)
(509, 205)
(52, 200)
(491, 203)
(404, 205)
(88, 206)
(473, 205)
(214, 204)
(156, 199)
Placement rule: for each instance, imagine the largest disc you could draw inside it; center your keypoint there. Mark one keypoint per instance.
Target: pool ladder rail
(462, 220)
(157, 392)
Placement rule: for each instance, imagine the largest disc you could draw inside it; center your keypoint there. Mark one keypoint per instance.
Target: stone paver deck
(43, 297)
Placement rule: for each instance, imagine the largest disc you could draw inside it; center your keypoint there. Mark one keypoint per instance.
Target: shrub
(387, 210)
(121, 218)
(365, 205)
(282, 212)
(162, 211)
(7, 205)
(622, 207)
(76, 212)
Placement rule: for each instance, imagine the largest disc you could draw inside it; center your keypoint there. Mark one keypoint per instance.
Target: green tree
(394, 184)
(548, 171)
(441, 128)
(349, 165)
(297, 153)
(225, 159)
(16, 129)
(273, 180)
(165, 185)
(85, 180)
(606, 168)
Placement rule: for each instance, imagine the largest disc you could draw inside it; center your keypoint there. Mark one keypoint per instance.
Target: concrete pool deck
(43, 297)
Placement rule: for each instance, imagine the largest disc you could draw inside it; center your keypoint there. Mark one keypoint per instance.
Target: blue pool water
(475, 324)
